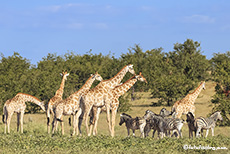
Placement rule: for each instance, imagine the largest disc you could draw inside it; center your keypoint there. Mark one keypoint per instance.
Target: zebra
(133, 123)
(150, 123)
(207, 123)
(162, 125)
(190, 120)
(156, 123)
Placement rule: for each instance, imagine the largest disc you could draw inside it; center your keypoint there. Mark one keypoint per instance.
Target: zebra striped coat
(207, 123)
(162, 125)
(133, 123)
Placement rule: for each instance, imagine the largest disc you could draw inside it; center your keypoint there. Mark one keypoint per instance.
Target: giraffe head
(64, 74)
(203, 84)
(97, 76)
(141, 78)
(130, 69)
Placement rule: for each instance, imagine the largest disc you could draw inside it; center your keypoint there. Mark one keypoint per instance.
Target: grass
(36, 140)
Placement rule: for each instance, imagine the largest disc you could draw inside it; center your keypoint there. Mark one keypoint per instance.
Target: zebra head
(217, 116)
(123, 118)
(165, 113)
(148, 114)
(190, 117)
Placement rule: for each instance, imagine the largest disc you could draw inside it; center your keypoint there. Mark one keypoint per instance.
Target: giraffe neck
(86, 86)
(60, 91)
(120, 90)
(113, 82)
(195, 94)
(30, 98)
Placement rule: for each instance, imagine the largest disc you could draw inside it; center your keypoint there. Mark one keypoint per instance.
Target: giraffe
(70, 105)
(17, 104)
(54, 100)
(114, 96)
(98, 96)
(186, 104)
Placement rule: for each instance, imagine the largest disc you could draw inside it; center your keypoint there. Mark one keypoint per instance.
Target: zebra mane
(154, 114)
(162, 109)
(125, 115)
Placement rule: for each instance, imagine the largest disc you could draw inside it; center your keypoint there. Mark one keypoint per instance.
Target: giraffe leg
(8, 121)
(21, 121)
(93, 114)
(74, 124)
(54, 123)
(18, 121)
(108, 114)
(96, 121)
(114, 112)
(78, 121)
(86, 117)
(62, 126)
(48, 120)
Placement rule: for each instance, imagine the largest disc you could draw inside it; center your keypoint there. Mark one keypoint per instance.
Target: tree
(13, 76)
(221, 74)
(183, 68)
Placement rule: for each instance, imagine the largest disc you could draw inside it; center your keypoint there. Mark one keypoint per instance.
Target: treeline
(170, 75)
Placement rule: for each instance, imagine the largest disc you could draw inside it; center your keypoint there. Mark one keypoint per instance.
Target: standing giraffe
(70, 105)
(54, 100)
(98, 96)
(17, 104)
(114, 96)
(186, 104)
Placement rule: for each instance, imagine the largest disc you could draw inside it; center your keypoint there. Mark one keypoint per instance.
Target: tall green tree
(13, 76)
(221, 74)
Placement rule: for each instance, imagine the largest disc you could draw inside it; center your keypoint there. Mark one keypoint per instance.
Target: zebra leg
(128, 131)
(154, 132)
(180, 135)
(207, 132)
(134, 132)
(212, 131)
(197, 132)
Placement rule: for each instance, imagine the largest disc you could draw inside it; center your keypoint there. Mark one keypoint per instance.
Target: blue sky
(36, 28)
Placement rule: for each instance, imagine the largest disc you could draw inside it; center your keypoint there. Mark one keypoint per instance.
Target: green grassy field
(36, 140)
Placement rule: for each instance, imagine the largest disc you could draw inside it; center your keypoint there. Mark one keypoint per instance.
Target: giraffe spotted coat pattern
(186, 104)
(70, 105)
(17, 104)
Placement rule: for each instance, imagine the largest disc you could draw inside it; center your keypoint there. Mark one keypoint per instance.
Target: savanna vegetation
(170, 75)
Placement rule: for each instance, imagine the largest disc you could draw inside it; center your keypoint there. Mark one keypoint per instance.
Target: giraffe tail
(48, 116)
(70, 120)
(4, 115)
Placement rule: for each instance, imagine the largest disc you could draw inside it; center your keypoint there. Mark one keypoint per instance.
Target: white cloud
(75, 25)
(56, 8)
(198, 19)
(225, 28)
(101, 25)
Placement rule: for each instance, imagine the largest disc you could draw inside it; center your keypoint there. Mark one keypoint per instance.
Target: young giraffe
(186, 104)
(70, 105)
(54, 100)
(98, 96)
(114, 96)
(17, 104)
